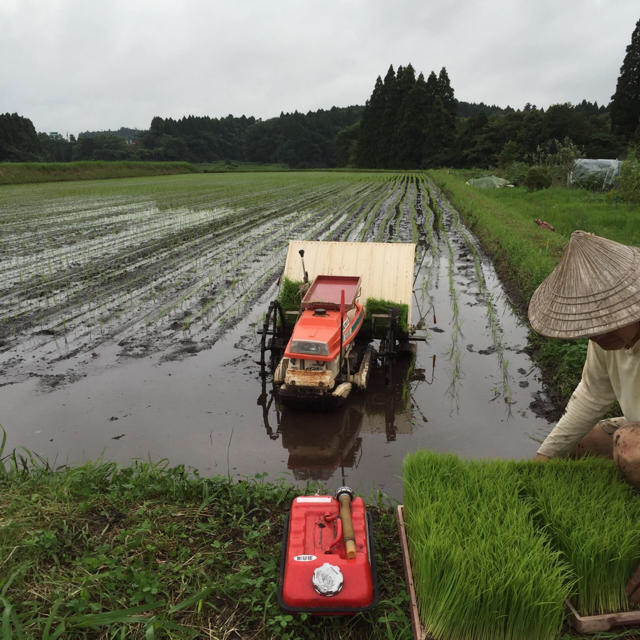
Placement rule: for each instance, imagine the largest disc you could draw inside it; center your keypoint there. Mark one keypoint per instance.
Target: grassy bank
(29, 172)
(225, 166)
(148, 551)
(525, 253)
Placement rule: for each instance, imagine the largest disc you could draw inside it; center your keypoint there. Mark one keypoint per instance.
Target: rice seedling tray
(604, 622)
(582, 624)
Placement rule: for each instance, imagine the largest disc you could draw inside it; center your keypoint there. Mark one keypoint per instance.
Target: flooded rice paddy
(129, 317)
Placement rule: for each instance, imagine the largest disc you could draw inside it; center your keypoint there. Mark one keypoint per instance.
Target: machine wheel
(273, 338)
(388, 350)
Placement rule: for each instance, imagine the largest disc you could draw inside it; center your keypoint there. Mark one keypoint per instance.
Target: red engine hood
(317, 337)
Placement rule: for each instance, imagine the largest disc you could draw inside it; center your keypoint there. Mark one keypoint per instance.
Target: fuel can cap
(327, 579)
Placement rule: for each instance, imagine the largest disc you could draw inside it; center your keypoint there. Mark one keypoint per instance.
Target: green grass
(29, 172)
(497, 546)
(523, 252)
(148, 551)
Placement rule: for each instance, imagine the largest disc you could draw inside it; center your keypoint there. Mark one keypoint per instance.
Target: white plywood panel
(386, 268)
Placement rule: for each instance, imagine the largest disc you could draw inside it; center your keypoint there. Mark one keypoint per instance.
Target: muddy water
(471, 390)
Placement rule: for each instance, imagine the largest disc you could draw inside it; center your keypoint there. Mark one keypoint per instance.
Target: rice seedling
(481, 568)
(591, 516)
(393, 211)
(455, 354)
(493, 323)
(377, 306)
(374, 211)
(479, 529)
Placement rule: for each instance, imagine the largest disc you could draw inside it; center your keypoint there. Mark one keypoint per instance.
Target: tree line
(293, 139)
(402, 135)
(407, 123)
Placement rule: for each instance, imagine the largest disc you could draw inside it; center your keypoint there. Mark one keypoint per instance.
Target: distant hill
(470, 109)
(129, 135)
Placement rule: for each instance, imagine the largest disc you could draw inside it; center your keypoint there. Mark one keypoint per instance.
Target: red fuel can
(316, 576)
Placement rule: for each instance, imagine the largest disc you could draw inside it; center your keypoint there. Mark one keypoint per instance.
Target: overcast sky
(77, 65)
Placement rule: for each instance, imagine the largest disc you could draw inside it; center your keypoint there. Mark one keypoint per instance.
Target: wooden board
(416, 625)
(603, 622)
(386, 268)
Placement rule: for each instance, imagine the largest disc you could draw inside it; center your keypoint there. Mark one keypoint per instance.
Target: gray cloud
(73, 65)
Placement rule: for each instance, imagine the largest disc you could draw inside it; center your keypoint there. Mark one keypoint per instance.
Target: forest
(339, 137)
(408, 122)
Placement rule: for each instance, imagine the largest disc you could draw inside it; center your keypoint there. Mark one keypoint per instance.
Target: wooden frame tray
(604, 622)
(418, 632)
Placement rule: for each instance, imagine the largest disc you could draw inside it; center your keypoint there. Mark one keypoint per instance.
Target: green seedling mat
(582, 624)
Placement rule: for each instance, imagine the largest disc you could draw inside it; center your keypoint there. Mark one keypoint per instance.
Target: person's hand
(540, 458)
(632, 591)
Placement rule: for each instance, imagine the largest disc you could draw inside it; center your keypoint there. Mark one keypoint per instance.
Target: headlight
(309, 347)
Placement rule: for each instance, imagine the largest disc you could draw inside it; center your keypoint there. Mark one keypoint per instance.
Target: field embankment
(30, 172)
(100, 551)
(524, 253)
(34, 172)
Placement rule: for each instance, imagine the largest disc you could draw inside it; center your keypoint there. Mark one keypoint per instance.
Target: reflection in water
(322, 442)
(319, 444)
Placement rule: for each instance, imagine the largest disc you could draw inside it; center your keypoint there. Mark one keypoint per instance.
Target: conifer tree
(432, 89)
(18, 138)
(412, 123)
(371, 128)
(391, 107)
(625, 102)
(445, 91)
(408, 123)
(439, 136)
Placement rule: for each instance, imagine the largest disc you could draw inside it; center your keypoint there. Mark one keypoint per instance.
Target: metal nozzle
(343, 490)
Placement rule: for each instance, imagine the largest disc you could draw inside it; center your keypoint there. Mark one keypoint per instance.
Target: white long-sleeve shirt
(607, 376)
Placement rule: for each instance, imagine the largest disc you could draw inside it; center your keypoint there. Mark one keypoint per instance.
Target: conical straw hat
(595, 288)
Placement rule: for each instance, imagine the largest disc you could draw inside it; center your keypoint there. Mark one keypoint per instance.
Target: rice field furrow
(379, 212)
(110, 289)
(139, 270)
(108, 308)
(179, 234)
